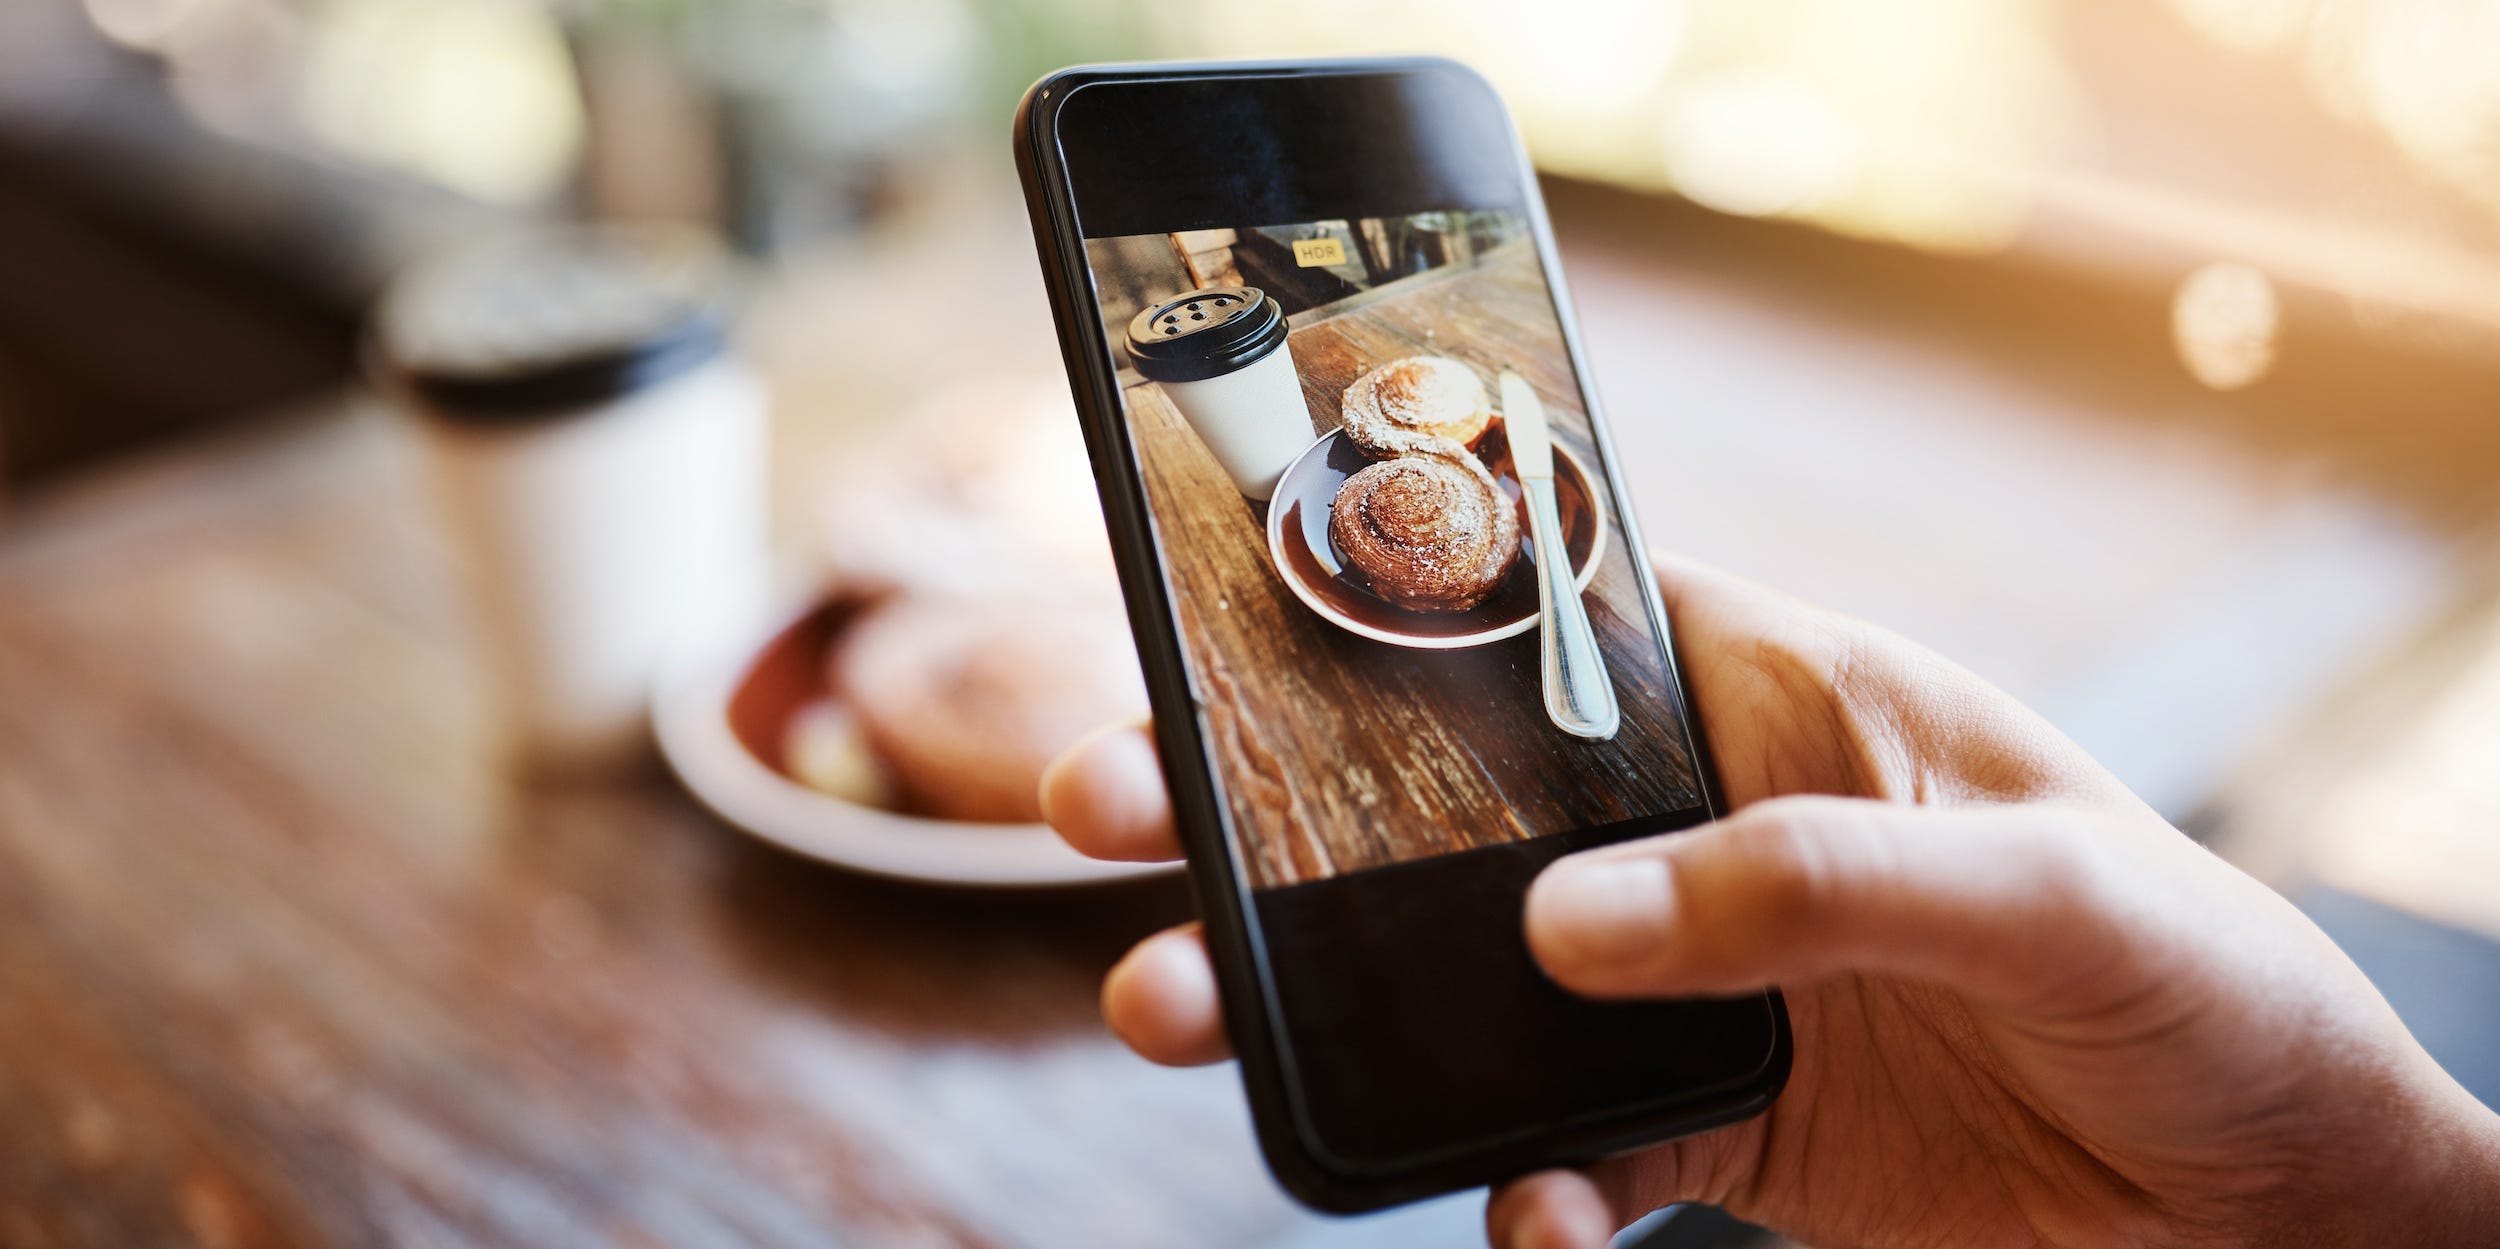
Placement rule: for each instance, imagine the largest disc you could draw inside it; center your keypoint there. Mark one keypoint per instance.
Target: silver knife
(1579, 695)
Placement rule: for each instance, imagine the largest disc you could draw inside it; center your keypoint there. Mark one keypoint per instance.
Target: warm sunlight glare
(477, 95)
(1916, 121)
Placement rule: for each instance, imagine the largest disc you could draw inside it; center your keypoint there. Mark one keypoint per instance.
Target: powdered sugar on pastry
(1431, 530)
(1433, 396)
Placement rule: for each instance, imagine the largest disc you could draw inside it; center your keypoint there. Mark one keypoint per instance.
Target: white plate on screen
(1299, 547)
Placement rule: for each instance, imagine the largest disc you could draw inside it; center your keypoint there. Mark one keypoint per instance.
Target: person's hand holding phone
(2026, 1010)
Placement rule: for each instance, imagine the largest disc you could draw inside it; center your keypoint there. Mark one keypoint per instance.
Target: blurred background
(2142, 356)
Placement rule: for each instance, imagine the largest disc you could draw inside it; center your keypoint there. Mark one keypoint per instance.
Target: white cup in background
(600, 456)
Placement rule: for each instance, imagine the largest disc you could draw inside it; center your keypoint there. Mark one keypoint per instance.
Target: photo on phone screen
(1318, 410)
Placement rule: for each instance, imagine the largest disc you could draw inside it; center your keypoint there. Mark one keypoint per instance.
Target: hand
(2026, 1010)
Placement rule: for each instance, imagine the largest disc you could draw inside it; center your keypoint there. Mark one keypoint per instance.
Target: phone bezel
(1300, 1160)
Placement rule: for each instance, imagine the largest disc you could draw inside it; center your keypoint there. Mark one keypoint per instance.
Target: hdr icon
(1312, 253)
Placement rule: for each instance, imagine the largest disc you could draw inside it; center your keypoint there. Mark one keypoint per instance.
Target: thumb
(2009, 904)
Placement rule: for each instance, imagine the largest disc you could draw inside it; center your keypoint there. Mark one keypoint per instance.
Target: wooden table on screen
(1345, 752)
(286, 961)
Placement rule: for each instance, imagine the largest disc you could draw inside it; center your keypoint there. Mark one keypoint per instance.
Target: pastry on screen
(967, 700)
(1431, 530)
(1431, 396)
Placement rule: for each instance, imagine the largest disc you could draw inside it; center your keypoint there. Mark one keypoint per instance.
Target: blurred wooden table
(285, 961)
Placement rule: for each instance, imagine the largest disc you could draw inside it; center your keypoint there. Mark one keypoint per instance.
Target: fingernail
(1600, 912)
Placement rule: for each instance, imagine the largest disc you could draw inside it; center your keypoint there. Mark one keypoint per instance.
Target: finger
(2005, 903)
(1105, 795)
(1886, 688)
(1714, 608)
(1687, 583)
(1549, 1210)
(1161, 1000)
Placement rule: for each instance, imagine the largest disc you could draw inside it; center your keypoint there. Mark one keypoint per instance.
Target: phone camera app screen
(1328, 417)
(1368, 465)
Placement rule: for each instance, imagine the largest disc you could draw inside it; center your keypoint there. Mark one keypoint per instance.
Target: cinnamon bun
(1432, 396)
(966, 700)
(1431, 529)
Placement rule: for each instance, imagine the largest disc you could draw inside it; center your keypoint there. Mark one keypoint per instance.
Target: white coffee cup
(1219, 355)
(600, 459)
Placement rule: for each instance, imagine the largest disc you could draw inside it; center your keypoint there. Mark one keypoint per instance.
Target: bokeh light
(1914, 121)
(2424, 72)
(477, 95)
(2224, 321)
(1758, 146)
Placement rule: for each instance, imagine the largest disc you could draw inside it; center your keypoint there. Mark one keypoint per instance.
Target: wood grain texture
(286, 960)
(1339, 753)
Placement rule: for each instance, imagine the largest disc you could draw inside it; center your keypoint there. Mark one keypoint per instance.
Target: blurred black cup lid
(540, 323)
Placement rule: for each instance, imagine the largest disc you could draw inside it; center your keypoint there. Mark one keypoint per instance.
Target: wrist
(2434, 1183)
(2468, 1188)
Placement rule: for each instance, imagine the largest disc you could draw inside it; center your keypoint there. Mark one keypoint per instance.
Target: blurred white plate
(706, 712)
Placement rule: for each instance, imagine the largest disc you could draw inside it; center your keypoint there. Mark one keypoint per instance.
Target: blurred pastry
(1430, 396)
(967, 700)
(1431, 530)
(827, 749)
(984, 484)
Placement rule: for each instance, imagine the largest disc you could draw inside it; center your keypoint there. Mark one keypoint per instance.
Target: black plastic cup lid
(551, 321)
(1205, 333)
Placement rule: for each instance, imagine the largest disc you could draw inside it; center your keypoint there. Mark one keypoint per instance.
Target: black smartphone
(1402, 644)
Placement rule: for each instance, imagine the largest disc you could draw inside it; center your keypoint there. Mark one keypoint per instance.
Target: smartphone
(1402, 645)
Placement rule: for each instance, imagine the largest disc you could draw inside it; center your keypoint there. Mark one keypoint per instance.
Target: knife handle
(1579, 694)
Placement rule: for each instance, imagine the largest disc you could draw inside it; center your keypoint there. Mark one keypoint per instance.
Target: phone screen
(1335, 336)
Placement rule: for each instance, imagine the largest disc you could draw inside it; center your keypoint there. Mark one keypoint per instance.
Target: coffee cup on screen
(1219, 354)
